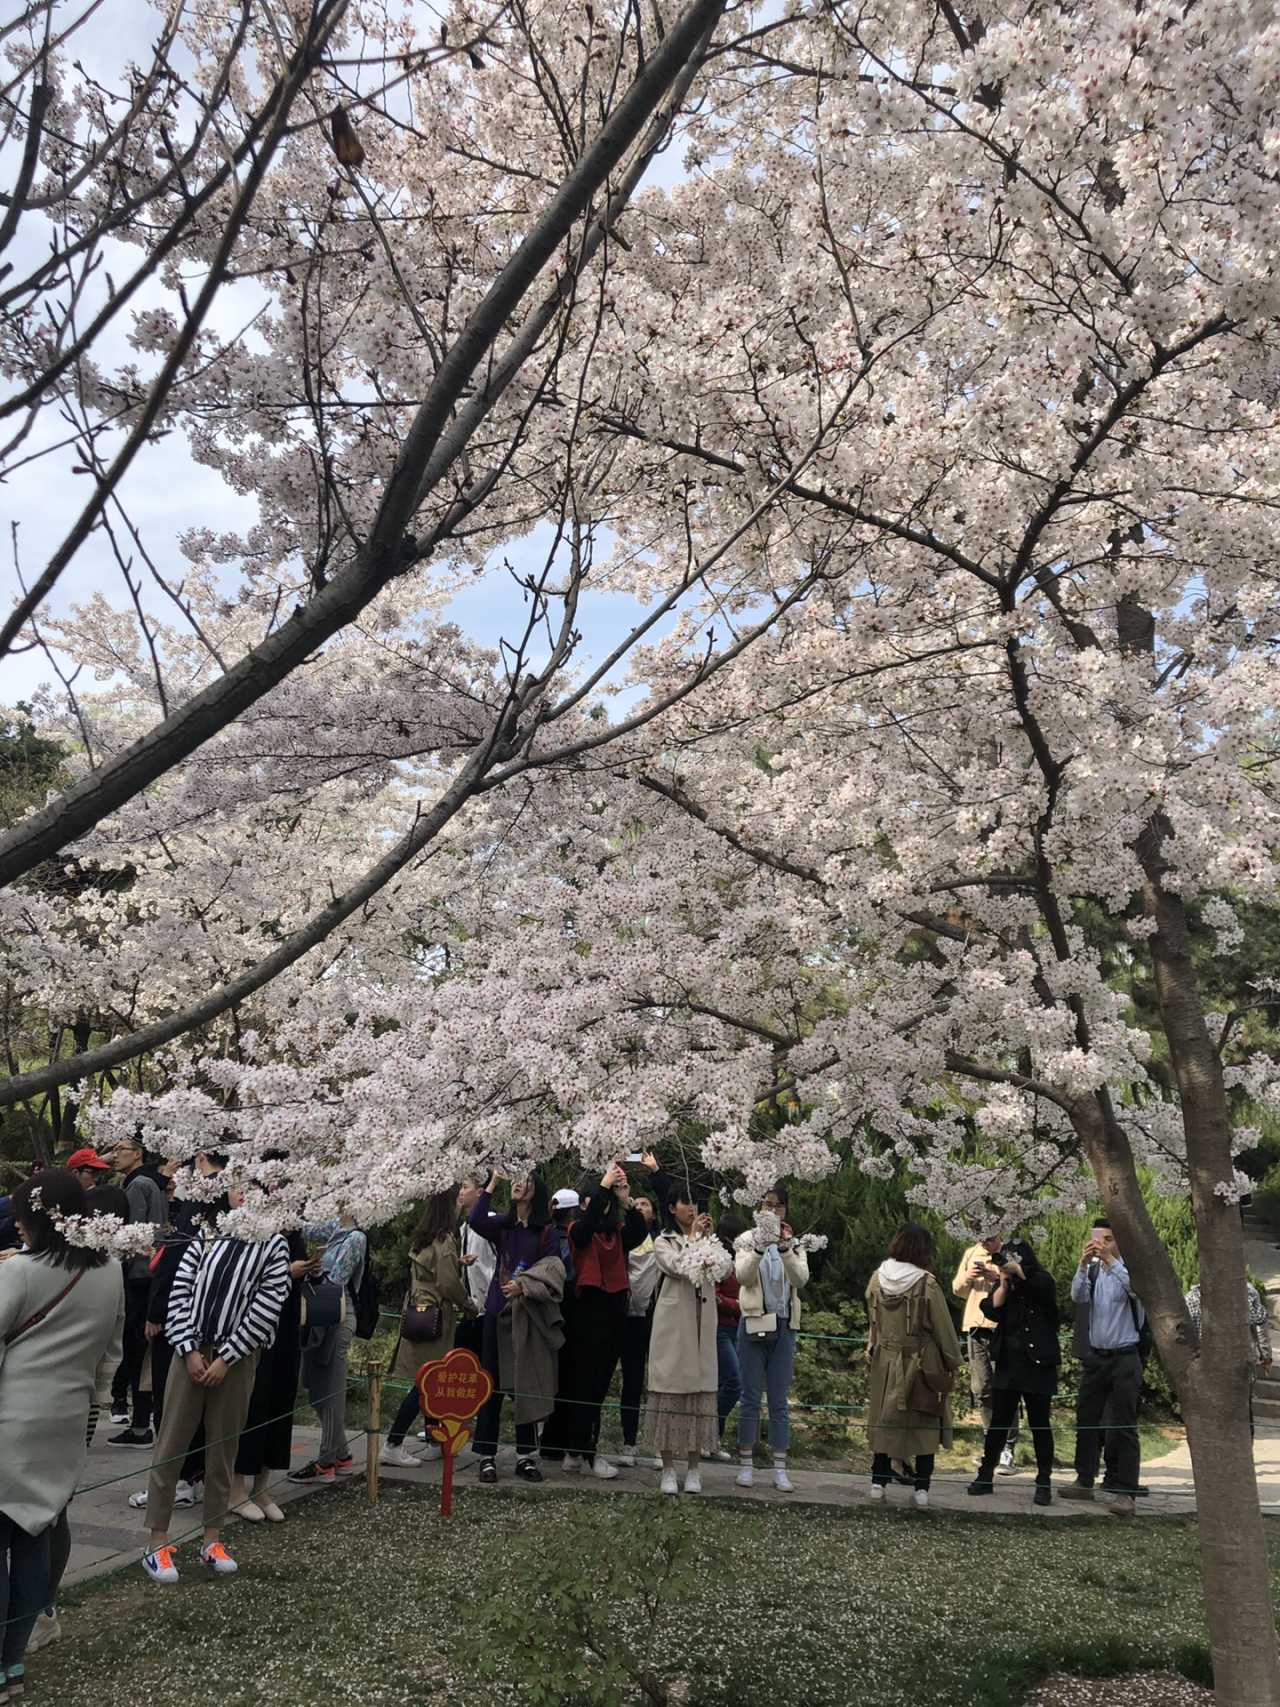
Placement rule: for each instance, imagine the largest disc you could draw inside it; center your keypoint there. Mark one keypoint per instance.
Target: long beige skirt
(680, 1425)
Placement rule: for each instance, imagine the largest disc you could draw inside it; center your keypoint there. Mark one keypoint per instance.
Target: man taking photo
(1109, 1326)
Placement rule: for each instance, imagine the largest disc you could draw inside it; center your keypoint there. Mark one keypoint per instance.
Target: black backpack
(368, 1296)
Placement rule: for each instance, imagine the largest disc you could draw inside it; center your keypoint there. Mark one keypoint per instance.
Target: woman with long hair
(603, 1237)
(61, 1312)
(98, 1200)
(1025, 1354)
(525, 1239)
(435, 1284)
(913, 1352)
(680, 1409)
(772, 1270)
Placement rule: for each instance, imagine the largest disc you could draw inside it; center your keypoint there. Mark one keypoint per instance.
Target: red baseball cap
(88, 1159)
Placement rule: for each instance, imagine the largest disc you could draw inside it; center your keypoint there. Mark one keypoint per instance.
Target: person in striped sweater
(223, 1308)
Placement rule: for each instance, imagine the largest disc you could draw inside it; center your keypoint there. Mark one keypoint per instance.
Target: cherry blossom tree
(946, 381)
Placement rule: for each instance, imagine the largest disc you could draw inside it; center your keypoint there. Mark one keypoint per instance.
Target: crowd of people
(199, 1348)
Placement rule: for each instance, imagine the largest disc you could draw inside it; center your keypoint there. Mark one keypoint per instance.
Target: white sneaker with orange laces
(215, 1555)
(159, 1565)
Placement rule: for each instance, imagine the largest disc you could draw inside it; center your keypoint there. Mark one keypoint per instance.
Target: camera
(1001, 1258)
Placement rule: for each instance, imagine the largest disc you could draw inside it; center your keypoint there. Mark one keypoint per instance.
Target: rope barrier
(153, 1463)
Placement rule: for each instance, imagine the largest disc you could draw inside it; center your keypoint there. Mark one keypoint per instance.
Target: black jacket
(1025, 1349)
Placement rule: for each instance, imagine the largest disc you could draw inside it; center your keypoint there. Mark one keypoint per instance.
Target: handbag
(324, 1304)
(421, 1322)
(929, 1393)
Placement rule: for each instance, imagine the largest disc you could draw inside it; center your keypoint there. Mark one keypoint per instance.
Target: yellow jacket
(971, 1290)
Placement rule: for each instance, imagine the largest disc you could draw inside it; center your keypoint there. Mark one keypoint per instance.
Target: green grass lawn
(346, 1603)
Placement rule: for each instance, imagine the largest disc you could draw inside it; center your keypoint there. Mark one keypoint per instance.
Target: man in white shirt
(479, 1258)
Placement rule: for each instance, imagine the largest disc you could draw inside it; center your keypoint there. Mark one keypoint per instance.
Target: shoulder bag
(929, 1392)
(324, 1303)
(34, 1320)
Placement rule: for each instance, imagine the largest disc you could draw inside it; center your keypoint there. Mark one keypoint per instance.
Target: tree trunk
(1214, 1386)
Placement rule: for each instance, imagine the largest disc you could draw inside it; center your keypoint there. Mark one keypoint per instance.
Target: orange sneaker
(216, 1555)
(159, 1565)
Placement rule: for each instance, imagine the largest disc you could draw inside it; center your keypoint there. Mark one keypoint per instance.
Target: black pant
(1109, 1388)
(134, 1351)
(59, 1555)
(469, 1334)
(24, 1586)
(406, 1417)
(635, 1354)
(882, 1469)
(490, 1418)
(598, 1325)
(1004, 1412)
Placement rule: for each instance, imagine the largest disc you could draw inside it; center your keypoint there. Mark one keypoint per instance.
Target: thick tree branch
(45, 833)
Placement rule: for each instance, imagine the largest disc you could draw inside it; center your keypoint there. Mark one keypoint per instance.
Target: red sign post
(452, 1391)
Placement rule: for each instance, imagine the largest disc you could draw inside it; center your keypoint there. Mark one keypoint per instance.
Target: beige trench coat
(682, 1349)
(907, 1333)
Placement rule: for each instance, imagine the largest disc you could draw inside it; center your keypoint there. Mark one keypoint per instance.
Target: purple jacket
(518, 1246)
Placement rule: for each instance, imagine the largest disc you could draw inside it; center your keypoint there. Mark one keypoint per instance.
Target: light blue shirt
(775, 1285)
(1112, 1325)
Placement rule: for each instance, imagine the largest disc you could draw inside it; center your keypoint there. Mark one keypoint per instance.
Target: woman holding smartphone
(680, 1412)
(522, 1238)
(1025, 1353)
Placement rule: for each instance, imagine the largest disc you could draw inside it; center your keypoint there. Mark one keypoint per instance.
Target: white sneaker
(693, 1481)
(47, 1629)
(604, 1470)
(781, 1480)
(215, 1555)
(721, 1456)
(626, 1459)
(187, 1493)
(746, 1476)
(399, 1458)
(1006, 1466)
(159, 1565)
(920, 1499)
(573, 1463)
(668, 1484)
(430, 1453)
(877, 1490)
(139, 1500)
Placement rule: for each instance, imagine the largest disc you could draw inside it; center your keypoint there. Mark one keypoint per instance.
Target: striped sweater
(227, 1293)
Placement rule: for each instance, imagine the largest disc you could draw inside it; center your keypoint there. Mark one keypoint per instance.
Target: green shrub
(563, 1636)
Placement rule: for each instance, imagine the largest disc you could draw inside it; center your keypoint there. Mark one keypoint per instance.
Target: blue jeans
(727, 1369)
(768, 1362)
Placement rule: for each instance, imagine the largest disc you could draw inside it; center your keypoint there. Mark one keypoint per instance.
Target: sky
(167, 492)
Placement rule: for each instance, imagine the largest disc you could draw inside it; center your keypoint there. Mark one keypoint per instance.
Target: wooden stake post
(452, 1391)
(373, 1436)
